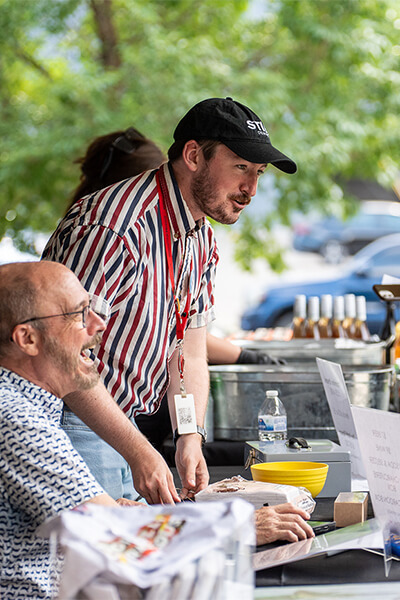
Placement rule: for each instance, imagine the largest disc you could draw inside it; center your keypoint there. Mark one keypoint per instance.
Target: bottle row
(330, 317)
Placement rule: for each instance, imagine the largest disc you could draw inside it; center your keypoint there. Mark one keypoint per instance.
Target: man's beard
(203, 190)
(69, 363)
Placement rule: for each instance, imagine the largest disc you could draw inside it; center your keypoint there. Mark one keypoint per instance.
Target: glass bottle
(395, 351)
(361, 327)
(338, 317)
(311, 324)
(299, 316)
(325, 320)
(349, 322)
(272, 420)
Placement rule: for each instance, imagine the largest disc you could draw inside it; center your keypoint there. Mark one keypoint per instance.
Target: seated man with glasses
(47, 325)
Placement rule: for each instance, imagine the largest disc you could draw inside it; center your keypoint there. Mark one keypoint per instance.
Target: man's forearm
(189, 457)
(220, 351)
(151, 475)
(196, 375)
(101, 413)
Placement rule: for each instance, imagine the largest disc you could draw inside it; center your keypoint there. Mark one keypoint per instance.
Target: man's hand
(256, 357)
(191, 465)
(151, 476)
(126, 502)
(282, 522)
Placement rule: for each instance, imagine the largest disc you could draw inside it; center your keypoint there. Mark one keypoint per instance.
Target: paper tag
(185, 413)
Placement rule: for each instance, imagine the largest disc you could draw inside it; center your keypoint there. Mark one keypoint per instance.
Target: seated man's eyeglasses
(96, 304)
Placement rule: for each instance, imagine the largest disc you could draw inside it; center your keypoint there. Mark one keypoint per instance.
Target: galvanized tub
(343, 351)
(239, 390)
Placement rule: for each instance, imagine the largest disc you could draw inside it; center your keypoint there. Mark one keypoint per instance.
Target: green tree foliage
(323, 75)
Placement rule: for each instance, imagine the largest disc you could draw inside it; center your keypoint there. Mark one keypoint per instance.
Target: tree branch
(105, 27)
(32, 62)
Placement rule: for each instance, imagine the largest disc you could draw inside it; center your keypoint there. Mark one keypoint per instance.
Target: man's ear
(191, 154)
(26, 338)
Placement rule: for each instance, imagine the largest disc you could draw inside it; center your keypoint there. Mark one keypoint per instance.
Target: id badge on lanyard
(184, 403)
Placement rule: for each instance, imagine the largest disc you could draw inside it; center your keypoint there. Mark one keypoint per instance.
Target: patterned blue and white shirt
(40, 475)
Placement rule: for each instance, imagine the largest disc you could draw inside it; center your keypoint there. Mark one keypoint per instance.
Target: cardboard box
(350, 508)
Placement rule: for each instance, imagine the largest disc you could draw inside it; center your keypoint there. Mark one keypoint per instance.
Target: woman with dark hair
(114, 157)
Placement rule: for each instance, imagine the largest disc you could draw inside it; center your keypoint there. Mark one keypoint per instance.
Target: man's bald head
(23, 287)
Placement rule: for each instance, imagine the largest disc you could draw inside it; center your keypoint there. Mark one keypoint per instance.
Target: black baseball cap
(236, 126)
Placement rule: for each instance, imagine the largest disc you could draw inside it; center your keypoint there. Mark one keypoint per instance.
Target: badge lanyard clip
(181, 365)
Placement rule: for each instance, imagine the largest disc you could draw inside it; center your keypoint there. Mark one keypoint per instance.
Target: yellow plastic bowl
(311, 475)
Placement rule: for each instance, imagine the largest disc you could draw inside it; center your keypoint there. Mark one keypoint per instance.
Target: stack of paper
(258, 493)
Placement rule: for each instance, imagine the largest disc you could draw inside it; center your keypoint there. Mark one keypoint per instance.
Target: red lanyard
(181, 319)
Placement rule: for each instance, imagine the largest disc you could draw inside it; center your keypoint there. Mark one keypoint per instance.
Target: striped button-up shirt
(113, 241)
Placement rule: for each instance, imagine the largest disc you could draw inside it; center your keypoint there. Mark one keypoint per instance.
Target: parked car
(335, 239)
(362, 271)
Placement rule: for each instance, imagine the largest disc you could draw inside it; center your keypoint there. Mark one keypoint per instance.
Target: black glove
(255, 357)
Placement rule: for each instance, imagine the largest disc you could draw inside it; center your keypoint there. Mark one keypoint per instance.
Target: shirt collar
(181, 219)
(51, 403)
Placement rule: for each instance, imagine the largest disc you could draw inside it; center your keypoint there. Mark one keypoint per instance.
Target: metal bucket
(239, 390)
(343, 351)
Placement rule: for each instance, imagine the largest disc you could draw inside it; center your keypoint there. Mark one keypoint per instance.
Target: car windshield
(377, 255)
(359, 259)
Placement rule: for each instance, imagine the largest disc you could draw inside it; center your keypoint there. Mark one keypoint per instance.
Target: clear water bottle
(272, 422)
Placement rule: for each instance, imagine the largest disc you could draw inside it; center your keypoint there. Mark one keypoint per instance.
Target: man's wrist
(200, 430)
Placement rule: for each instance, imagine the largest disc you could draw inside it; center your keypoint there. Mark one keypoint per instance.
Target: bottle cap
(300, 304)
(350, 306)
(326, 306)
(313, 308)
(271, 393)
(338, 308)
(361, 308)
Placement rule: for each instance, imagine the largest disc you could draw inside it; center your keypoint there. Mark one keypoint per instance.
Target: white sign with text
(379, 439)
(340, 407)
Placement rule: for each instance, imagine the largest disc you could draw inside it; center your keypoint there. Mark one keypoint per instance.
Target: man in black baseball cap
(236, 126)
(151, 252)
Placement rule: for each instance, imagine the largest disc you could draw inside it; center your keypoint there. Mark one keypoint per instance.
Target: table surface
(351, 566)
